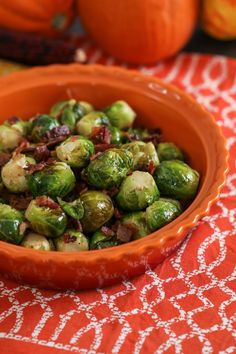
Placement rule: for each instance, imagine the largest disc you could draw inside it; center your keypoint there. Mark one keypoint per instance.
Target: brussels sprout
(138, 133)
(120, 114)
(176, 179)
(75, 151)
(68, 112)
(137, 191)
(99, 240)
(9, 138)
(44, 220)
(169, 151)
(14, 175)
(93, 119)
(116, 135)
(161, 213)
(109, 168)
(137, 220)
(55, 180)
(143, 155)
(86, 106)
(72, 241)
(98, 209)
(37, 242)
(74, 209)
(41, 125)
(10, 221)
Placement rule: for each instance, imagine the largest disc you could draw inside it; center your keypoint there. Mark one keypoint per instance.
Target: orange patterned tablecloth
(187, 304)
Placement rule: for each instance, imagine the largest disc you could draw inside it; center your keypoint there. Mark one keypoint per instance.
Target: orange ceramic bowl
(182, 121)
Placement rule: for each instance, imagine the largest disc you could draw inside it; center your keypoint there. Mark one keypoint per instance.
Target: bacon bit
(41, 152)
(129, 173)
(117, 213)
(113, 191)
(56, 141)
(13, 120)
(44, 201)
(103, 147)
(130, 136)
(81, 187)
(56, 132)
(95, 156)
(74, 138)
(101, 135)
(107, 231)
(23, 227)
(154, 138)
(68, 238)
(19, 202)
(23, 145)
(50, 161)
(125, 232)
(151, 167)
(4, 158)
(31, 168)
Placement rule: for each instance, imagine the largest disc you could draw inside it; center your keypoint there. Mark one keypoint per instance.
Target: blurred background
(137, 32)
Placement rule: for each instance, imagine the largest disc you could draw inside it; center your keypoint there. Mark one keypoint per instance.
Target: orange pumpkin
(39, 16)
(139, 31)
(219, 18)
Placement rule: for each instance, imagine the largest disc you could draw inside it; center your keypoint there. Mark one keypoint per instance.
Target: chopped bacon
(103, 147)
(19, 202)
(78, 225)
(151, 167)
(131, 136)
(31, 168)
(68, 238)
(154, 138)
(56, 141)
(4, 158)
(107, 231)
(125, 232)
(81, 187)
(113, 191)
(56, 132)
(23, 145)
(101, 135)
(47, 202)
(41, 152)
(95, 156)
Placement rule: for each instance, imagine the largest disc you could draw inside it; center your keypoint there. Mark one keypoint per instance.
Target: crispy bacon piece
(56, 132)
(23, 145)
(107, 231)
(125, 232)
(101, 135)
(19, 202)
(95, 156)
(155, 138)
(4, 158)
(31, 168)
(41, 152)
(47, 202)
(68, 238)
(23, 227)
(117, 213)
(151, 167)
(78, 225)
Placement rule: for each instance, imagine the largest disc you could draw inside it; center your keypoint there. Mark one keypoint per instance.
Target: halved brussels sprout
(41, 124)
(37, 242)
(98, 209)
(162, 212)
(176, 179)
(99, 241)
(46, 221)
(55, 180)
(137, 191)
(9, 138)
(116, 135)
(72, 241)
(120, 114)
(143, 154)
(136, 220)
(109, 168)
(169, 151)
(91, 120)
(74, 209)
(14, 174)
(75, 151)
(10, 221)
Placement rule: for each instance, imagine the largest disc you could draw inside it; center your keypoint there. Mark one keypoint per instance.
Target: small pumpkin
(42, 16)
(139, 31)
(219, 18)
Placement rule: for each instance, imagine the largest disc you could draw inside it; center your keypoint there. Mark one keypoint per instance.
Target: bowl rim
(156, 239)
